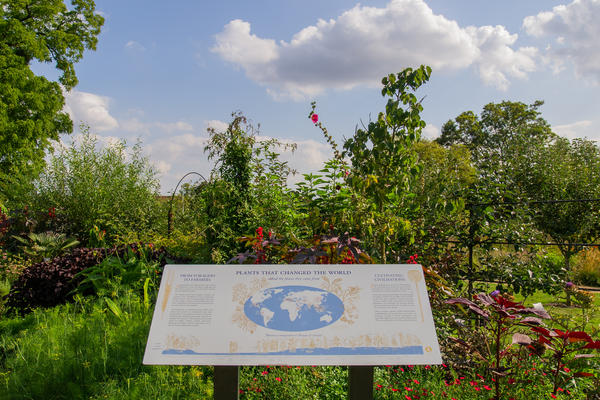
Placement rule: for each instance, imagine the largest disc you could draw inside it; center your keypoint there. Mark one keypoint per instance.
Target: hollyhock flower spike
(315, 118)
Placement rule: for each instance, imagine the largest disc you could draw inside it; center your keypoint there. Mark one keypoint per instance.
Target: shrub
(53, 282)
(12, 265)
(325, 249)
(137, 268)
(45, 245)
(184, 245)
(87, 185)
(49, 283)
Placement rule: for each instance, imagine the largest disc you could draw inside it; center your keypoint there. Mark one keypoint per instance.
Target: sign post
(360, 382)
(355, 315)
(226, 382)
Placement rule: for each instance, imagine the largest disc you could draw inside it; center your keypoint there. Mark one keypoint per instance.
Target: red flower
(315, 118)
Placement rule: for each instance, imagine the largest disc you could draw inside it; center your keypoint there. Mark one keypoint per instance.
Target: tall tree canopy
(31, 107)
(501, 141)
(567, 170)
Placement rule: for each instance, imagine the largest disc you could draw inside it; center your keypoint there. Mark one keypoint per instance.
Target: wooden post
(226, 380)
(360, 383)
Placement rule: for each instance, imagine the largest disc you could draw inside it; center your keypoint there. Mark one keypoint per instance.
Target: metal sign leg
(226, 383)
(360, 383)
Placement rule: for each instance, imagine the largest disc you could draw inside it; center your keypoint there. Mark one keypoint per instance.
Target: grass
(84, 351)
(564, 316)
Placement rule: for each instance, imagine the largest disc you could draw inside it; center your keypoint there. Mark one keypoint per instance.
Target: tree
(382, 155)
(445, 175)
(31, 107)
(501, 142)
(566, 170)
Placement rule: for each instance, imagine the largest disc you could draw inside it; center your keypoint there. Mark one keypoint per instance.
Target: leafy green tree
(383, 159)
(111, 187)
(501, 141)
(566, 170)
(31, 107)
(445, 176)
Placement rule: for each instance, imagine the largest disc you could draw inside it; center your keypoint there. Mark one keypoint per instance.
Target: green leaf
(116, 310)
(146, 294)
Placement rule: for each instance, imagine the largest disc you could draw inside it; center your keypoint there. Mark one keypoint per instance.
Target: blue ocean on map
(294, 308)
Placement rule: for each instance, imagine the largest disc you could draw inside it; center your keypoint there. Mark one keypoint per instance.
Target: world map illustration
(294, 308)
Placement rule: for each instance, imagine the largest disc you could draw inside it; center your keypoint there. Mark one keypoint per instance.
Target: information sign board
(292, 315)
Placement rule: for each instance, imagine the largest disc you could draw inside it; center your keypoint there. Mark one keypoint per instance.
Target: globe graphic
(294, 308)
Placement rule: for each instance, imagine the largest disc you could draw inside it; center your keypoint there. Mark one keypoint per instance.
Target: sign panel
(292, 315)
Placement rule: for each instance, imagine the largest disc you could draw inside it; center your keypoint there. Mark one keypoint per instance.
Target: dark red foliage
(49, 283)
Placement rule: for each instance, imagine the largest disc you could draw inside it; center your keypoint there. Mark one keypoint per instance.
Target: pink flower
(315, 118)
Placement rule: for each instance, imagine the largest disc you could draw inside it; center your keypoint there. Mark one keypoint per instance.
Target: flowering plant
(495, 340)
(324, 249)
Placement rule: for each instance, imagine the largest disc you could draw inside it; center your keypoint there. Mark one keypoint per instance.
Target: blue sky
(164, 71)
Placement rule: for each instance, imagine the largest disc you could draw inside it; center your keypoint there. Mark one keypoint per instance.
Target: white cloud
(134, 46)
(497, 60)
(174, 156)
(430, 132)
(172, 127)
(573, 130)
(162, 167)
(366, 43)
(237, 45)
(90, 109)
(576, 31)
(134, 125)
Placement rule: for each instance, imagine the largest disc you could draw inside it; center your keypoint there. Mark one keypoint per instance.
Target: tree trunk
(567, 255)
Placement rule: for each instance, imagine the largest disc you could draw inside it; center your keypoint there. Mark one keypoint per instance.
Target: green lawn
(574, 316)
